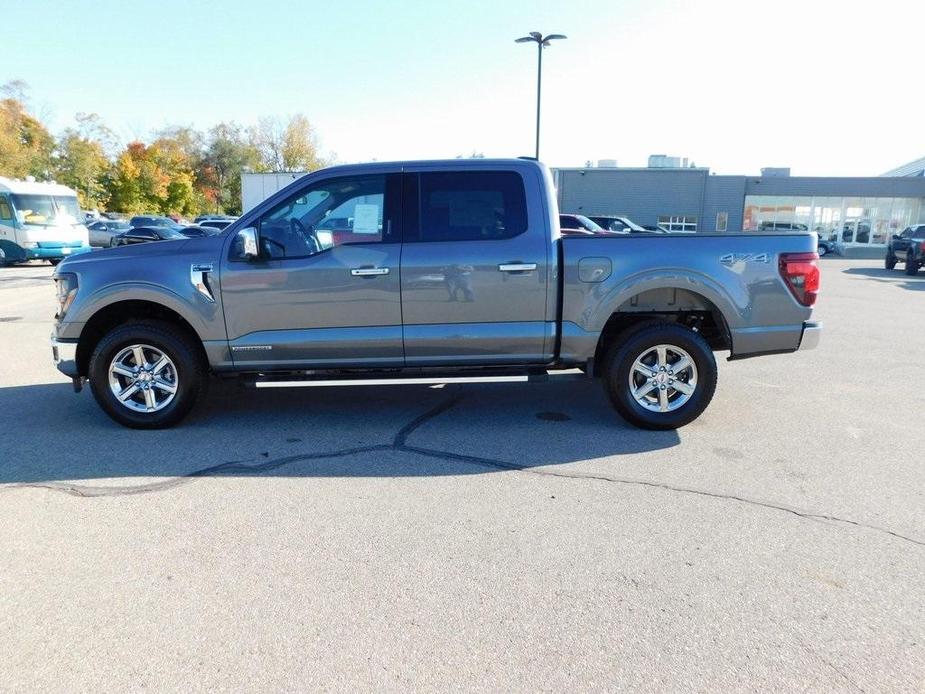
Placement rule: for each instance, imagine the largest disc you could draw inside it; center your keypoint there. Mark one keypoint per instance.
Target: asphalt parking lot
(493, 537)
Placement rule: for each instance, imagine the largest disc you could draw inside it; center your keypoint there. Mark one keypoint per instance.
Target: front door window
(335, 212)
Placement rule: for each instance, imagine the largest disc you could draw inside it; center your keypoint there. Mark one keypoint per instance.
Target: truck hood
(155, 251)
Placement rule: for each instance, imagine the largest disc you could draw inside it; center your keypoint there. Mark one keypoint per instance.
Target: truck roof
(468, 163)
(18, 186)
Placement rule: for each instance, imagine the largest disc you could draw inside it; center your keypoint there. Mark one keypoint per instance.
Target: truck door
(325, 291)
(474, 268)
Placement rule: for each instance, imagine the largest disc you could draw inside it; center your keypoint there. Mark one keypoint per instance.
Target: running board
(316, 382)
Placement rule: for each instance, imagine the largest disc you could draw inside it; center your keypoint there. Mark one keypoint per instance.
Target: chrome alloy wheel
(663, 378)
(143, 378)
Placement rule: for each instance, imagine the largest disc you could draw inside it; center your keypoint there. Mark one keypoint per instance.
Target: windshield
(45, 210)
(68, 211)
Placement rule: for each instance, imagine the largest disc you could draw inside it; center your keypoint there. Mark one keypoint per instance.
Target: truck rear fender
(690, 298)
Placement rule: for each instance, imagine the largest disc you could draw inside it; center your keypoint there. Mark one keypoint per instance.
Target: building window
(722, 221)
(678, 223)
(845, 220)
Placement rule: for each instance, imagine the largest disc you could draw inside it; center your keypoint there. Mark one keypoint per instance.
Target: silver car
(102, 232)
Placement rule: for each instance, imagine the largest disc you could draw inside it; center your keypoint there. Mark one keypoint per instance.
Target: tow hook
(78, 383)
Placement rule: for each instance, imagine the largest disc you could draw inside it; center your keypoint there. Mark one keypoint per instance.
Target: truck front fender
(203, 317)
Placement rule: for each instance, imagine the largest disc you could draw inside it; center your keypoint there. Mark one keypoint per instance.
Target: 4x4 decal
(736, 258)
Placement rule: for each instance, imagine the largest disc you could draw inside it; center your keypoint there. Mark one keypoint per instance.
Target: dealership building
(854, 212)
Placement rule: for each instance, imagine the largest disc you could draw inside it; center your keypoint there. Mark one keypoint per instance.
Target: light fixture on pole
(541, 43)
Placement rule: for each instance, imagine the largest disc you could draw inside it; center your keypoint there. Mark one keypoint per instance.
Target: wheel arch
(678, 305)
(126, 311)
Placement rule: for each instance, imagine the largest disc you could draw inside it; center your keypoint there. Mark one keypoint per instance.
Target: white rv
(39, 220)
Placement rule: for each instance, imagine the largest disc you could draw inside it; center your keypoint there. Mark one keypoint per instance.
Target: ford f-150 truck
(428, 272)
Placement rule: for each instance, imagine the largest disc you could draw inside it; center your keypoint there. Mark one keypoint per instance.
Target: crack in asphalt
(400, 443)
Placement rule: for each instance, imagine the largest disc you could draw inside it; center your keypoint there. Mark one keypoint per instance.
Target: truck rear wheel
(660, 375)
(147, 375)
(912, 267)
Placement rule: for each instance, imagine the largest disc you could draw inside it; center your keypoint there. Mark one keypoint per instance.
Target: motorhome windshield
(45, 210)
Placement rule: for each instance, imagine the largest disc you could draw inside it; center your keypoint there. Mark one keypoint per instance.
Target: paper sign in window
(366, 219)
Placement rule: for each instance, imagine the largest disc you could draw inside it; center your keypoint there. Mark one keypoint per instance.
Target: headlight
(65, 291)
(30, 244)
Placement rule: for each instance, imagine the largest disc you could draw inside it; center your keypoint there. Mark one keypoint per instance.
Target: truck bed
(735, 276)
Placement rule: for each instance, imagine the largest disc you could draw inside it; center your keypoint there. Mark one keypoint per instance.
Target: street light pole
(541, 43)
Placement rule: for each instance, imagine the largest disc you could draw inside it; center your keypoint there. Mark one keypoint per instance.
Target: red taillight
(801, 273)
(922, 247)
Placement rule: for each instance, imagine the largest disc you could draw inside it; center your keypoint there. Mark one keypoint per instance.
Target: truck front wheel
(147, 375)
(660, 376)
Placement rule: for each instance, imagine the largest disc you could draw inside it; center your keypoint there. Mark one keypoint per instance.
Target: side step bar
(317, 380)
(309, 383)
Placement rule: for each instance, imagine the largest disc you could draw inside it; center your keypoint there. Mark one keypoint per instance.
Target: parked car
(619, 224)
(153, 221)
(101, 232)
(505, 298)
(578, 225)
(216, 217)
(782, 226)
(194, 231)
(218, 224)
(824, 247)
(146, 234)
(907, 247)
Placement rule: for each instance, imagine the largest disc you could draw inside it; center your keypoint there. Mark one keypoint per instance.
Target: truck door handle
(369, 271)
(517, 267)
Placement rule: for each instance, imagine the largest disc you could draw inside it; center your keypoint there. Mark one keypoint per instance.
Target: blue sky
(822, 86)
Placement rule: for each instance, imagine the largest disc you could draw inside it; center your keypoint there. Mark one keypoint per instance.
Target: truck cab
(39, 221)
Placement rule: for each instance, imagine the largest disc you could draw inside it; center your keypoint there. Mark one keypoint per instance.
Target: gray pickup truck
(428, 272)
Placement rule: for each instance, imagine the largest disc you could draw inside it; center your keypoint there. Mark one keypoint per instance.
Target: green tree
(26, 146)
(138, 183)
(81, 161)
(286, 146)
(227, 153)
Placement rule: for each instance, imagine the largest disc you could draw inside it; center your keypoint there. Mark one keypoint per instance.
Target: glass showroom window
(678, 223)
(847, 220)
(722, 221)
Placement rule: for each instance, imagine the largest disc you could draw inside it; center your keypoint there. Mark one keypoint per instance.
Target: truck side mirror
(247, 238)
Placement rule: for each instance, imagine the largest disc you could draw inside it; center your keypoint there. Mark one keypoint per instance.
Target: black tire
(822, 250)
(632, 344)
(912, 267)
(191, 372)
(55, 261)
(890, 261)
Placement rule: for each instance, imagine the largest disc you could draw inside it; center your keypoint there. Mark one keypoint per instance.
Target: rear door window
(469, 206)
(918, 234)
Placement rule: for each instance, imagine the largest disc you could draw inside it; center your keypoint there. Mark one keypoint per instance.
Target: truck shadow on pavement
(895, 277)
(60, 440)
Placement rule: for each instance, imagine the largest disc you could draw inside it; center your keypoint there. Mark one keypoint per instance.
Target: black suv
(907, 247)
